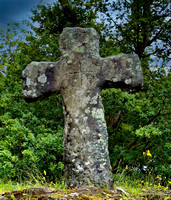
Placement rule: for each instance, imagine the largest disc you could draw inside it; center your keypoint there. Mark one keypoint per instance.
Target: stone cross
(79, 76)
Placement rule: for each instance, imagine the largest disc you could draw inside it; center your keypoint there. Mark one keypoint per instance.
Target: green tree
(140, 26)
(51, 19)
(30, 134)
(138, 122)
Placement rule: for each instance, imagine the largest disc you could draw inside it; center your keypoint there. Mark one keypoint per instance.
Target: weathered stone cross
(79, 76)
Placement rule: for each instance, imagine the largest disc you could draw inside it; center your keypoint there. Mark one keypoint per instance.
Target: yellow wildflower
(158, 176)
(142, 181)
(126, 167)
(166, 188)
(148, 153)
(44, 178)
(146, 183)
(44, 172)
(169, 182)
(143, 153)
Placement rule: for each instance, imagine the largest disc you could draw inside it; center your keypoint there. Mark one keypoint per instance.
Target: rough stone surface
(79, 76)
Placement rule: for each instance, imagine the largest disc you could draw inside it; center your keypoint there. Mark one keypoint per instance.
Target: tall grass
(130, 180)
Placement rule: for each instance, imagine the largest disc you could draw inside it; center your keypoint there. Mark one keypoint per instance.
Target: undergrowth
(129, 180)
(134, 182)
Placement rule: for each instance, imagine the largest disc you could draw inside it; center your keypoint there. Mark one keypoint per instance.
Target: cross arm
(122, 71)
(40, 80)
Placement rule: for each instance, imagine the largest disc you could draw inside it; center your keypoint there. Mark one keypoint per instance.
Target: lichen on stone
(98, 113)
(128, 81)
(42, 78)
(80, 50)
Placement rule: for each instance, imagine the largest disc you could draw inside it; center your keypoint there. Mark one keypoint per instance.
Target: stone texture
(79, 76)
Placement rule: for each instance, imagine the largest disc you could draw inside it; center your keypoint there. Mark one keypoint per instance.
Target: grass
(11, 186)
(136, 183)
(133, 184)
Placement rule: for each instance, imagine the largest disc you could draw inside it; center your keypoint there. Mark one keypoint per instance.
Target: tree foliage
(140, 26)
(31, 134)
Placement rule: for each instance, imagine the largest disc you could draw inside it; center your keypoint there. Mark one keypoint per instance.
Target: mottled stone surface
(79, 76)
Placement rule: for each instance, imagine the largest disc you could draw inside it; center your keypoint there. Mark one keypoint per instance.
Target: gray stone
(79, 76)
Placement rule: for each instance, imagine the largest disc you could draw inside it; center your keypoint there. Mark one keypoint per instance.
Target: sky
(17, 10)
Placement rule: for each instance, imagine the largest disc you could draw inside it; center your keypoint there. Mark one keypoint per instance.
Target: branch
(123, 33)
(136, 145)
(153, 118)
(158, 114)
(155, 37)
(119, 27)
(114, 120)
(132, 144)
(153, 53)
(157, 34)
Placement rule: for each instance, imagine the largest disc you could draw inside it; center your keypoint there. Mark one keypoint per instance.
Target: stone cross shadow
(79, 76)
